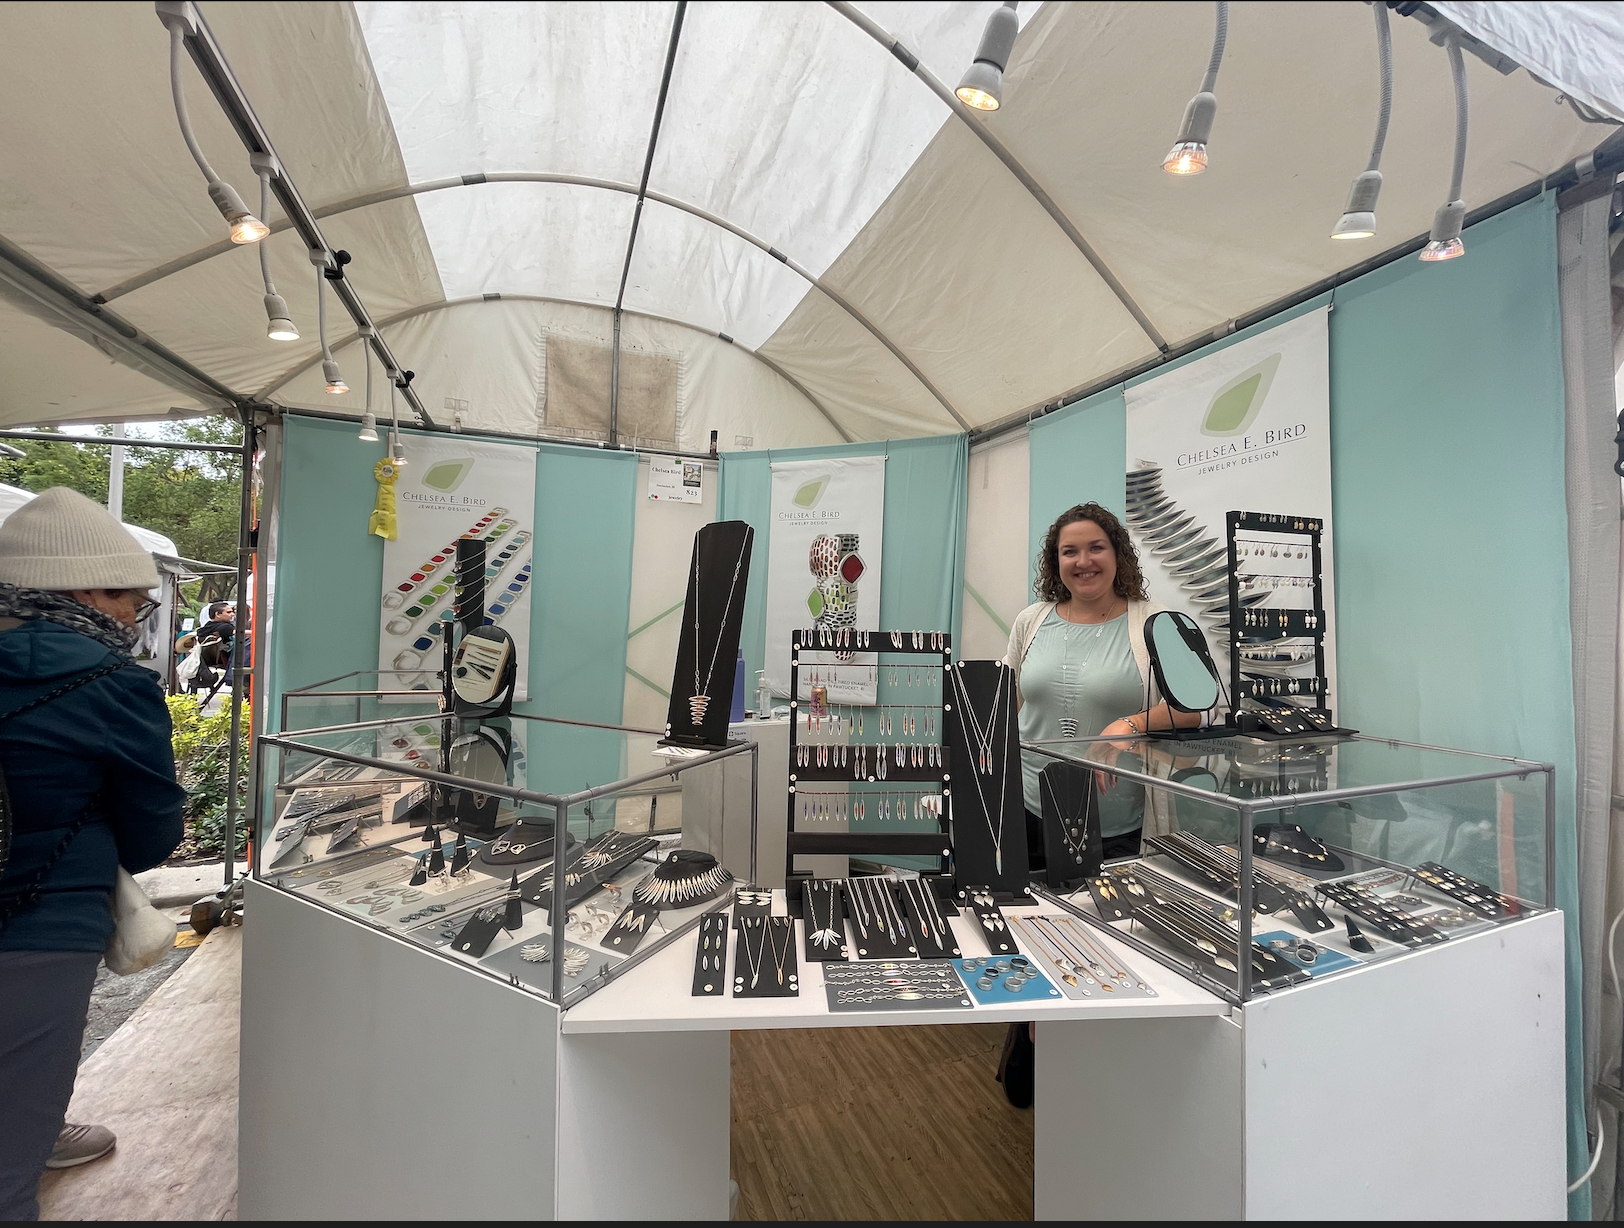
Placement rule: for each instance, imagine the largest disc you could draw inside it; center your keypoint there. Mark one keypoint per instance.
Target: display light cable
(395, 450)
(329, 368)
(1445, 242)
(245, 227)
(281, 326)
(1358, 219)
(1189, 153)
(982, 86)
(369, 423)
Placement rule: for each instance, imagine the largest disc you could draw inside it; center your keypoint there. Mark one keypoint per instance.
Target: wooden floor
(877, 1123)
(166, 1084)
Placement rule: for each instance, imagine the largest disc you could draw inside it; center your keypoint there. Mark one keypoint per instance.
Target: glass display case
(442, 830)
(361, 695)
(1314, 856)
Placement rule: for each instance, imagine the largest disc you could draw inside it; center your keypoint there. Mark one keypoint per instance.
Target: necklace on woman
(701, 696)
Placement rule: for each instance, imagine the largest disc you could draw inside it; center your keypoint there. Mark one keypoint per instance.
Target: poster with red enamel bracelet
(453, 488)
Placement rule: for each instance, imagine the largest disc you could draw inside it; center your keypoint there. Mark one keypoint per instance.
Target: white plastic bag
(187, 669)
(141, 934)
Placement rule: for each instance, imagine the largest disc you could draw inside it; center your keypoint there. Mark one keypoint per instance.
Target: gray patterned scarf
(59, 608)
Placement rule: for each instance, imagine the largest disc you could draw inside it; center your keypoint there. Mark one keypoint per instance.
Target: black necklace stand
(712, 618)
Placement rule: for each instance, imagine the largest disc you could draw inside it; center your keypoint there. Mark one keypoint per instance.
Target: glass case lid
(1241, 770)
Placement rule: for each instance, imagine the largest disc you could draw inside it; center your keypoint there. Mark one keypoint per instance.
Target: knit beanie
(60, 540)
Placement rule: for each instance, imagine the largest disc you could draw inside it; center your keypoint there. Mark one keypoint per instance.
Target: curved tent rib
(1002, 152)
(293, 373)
(580, 181)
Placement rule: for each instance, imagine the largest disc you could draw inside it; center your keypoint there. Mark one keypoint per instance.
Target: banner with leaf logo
(1247, 428)
(823, 570)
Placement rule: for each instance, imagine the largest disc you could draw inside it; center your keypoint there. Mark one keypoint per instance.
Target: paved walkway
(175, 886)
(166, 1084)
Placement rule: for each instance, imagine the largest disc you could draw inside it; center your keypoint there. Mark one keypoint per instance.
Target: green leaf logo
(1236, 404)
(811, 492)
(446, 476)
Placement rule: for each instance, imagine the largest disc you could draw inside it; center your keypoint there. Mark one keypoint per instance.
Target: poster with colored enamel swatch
(450, 488)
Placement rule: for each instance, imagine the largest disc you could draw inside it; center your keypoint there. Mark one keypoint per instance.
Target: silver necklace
(983, 736)
(1066, 821)
(825, 936)
(997, 833)
(701, 697)
(761, 947)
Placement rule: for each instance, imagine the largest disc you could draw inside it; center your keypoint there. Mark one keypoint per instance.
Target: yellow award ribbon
(382, 521)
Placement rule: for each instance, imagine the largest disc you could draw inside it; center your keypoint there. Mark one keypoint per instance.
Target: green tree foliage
(192, 498)
(202, 759)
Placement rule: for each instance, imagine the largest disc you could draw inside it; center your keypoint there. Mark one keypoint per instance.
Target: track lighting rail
(211, 64)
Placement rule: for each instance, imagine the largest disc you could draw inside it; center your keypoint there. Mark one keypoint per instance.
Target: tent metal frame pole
(245, 555)
(222, 82)
(44, 437)
(1011, 163)
(637, 215)
(491, 297)
(109, 331)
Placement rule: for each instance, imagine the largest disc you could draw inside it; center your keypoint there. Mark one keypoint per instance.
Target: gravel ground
(115, 998)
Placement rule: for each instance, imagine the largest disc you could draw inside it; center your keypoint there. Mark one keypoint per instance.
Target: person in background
(221, 626)
(90, 774)
(222, 622)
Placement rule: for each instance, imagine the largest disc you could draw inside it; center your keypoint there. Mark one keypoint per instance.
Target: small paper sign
(676, 481)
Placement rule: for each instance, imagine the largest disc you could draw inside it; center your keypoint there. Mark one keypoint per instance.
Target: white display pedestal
(383, 1081)
(1429, 1086)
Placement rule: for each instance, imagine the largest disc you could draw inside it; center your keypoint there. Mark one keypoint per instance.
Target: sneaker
(80, 1145)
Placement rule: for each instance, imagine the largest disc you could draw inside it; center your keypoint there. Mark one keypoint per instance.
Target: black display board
(1071, 824)
(712, 615)
(989, 815)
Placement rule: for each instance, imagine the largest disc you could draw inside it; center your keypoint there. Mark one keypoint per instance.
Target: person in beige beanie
(90, 786)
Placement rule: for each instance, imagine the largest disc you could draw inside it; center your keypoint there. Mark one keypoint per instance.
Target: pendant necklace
(1067, 822)
(997, 833)
(701, 698)
(778, 960)
(824, 936)
(982, 735)
(755, 959)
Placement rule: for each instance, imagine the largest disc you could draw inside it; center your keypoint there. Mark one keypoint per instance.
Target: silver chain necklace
(701, 697)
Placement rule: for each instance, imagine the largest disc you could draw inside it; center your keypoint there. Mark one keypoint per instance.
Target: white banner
(1245, 429)
(451, 488)
(823, 570)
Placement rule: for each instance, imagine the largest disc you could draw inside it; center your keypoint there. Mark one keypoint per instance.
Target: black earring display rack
(878, 745)
(1266, 641)
(989, 832)
(712, 616)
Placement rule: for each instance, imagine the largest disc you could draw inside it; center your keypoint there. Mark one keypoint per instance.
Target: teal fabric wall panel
(1448, 480)
(1077, 456)
(329, 570)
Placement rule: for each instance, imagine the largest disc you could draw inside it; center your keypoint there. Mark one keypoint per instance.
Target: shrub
(202, 743)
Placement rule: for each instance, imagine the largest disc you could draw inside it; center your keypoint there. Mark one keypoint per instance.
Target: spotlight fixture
(281, 326)
(1189, 153)
(329, 368)
(1445, 242)
(1358, 219)
(983, 85)
(369, 423)
(245, 227)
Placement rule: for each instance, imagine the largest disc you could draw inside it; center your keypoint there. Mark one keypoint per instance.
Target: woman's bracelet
(1128, 721)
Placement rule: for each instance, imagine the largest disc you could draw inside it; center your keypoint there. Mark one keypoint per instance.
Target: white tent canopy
(481, 162)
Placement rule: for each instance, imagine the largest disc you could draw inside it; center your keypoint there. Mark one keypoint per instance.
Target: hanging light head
(369, 428)
(1189, 153)
(983, 84)
(245, 227)
(335, 381)
(281, 327)
(1358, 219)
(1444, 243)
(395, 450)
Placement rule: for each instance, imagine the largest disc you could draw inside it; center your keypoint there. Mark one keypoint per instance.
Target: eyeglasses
(146, 609)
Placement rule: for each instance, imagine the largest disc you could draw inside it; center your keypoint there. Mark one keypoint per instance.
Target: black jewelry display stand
(769, 939)
(712, 616)
(936, 650)
(1260, 624)
(821, 906)
(989, 813)
(1071, 825)
(879, 919)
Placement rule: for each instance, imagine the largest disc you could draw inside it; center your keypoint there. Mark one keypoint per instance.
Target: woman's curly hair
(1130, 581)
